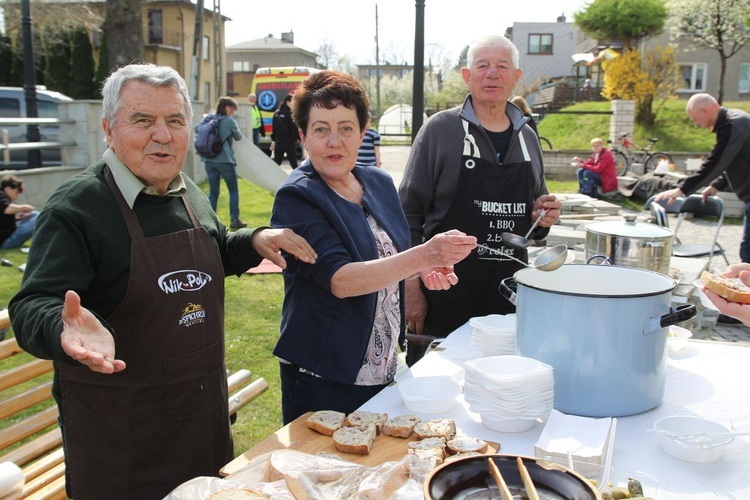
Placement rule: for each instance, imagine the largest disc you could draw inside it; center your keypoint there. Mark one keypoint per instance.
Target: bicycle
(629, 152)
(545, 143)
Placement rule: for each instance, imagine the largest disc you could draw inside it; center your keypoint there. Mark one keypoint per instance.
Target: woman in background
(224, 165)
(599, 171)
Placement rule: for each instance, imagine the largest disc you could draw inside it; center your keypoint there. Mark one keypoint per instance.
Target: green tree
(82, 85)
(102, 66)
(622, 20)
(16, 68)
(57, 65)
(6, 60)
(644, 78)
(453, 92)
(719, 25)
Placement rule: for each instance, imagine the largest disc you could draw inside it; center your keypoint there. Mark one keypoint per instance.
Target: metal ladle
(521, 242)
(548, 260)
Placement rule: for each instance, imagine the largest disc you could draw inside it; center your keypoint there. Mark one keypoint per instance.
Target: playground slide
(256, 167)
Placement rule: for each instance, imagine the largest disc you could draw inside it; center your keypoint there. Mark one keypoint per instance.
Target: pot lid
(589, 280)
(630, 228)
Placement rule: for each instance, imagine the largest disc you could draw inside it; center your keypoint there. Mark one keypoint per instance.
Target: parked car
(13, 105)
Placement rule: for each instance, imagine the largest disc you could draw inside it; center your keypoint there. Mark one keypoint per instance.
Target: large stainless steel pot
(604, 331)
(630, 243)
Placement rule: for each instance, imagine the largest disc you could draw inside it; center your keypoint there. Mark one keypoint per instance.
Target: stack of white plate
(494, 334)
(509, 392)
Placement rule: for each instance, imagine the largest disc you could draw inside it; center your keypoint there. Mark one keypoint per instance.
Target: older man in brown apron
(124, 290)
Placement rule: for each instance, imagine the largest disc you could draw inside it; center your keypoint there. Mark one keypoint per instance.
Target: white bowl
(709, 448)
(433, 394)
(500, 424)
(677, 338)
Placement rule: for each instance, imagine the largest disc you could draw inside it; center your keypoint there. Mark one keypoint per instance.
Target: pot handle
(508, 288)
(676, 315)
(606, 261)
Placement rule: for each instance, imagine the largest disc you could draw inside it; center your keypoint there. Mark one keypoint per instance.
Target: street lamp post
(418, 100)
(34, 156)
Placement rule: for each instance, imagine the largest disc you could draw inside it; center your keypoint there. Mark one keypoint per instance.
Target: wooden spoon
(499, 481)
(527, 482)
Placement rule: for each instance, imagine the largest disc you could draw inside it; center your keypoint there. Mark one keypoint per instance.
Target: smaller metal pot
(631, 244)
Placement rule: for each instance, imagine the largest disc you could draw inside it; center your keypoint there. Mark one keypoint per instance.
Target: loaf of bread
(355, 439)
(360, 417)
(235, 494)
(443, 427)
(401, 426)
(326, 421)
(466, 444)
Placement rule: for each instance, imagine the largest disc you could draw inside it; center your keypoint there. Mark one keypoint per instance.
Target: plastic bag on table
(202, 487)
(330, 478)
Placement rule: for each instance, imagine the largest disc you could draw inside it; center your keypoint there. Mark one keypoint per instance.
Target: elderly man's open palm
(85, 339)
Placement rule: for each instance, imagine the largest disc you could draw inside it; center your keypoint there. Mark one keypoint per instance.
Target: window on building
(155, 27)
(207, 94)
(693, 77)
(540, 44)
(206, 49)
(241, 66)
(744, 78)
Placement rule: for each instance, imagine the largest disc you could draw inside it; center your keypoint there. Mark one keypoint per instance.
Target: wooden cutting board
(297, 436)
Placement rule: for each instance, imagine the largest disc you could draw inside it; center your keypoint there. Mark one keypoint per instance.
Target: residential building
(545, 51)
(243, 59)
(366, 72)
(169, 34)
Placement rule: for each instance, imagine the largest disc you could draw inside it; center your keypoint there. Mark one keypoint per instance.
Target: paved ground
(393, 159)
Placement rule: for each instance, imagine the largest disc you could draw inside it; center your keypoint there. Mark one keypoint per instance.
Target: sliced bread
(355, 439)
(466, 444)
(326, 421)
(401, 426)
(361, 417)
(430, 458)
(442, 427)
(433, 443)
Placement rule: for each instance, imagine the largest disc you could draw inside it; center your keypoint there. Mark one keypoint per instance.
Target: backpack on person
(208, 143)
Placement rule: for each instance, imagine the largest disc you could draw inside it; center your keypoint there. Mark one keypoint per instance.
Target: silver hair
(495, 42)
(150, 74)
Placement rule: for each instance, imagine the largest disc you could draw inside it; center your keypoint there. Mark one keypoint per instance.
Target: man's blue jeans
(24, 230)
(745, 244)
(215, 172)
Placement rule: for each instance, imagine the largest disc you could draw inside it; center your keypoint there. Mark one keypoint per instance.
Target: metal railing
(6, 146)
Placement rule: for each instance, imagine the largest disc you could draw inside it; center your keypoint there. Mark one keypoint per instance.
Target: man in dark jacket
(728, 165)
(285, 135)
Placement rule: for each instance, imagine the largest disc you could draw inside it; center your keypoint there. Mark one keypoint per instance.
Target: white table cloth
(707, 379)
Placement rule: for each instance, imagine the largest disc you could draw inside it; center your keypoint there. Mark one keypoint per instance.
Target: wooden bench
(26, 396)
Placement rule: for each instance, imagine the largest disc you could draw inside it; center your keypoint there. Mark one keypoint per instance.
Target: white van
(13, 105)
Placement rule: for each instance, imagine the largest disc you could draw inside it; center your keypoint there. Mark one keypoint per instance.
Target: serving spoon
(549, 259)
(517, 241)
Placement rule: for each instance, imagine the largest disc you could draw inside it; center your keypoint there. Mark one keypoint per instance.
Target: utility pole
(377, 60)
(418, 100)
(34, 156)
(218, 52)
(195, 67)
